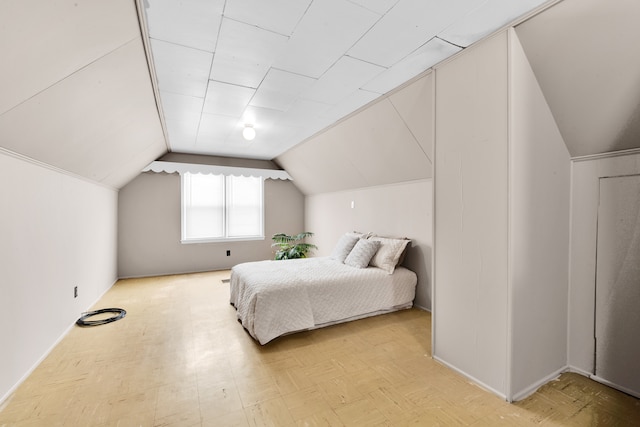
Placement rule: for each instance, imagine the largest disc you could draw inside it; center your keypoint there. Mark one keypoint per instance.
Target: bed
(275, 298)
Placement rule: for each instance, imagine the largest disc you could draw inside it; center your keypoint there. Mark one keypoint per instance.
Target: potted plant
(291, 247)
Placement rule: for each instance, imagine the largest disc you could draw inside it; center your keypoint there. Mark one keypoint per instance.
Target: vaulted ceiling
(100, 89)
(290, 68)
(75, 90)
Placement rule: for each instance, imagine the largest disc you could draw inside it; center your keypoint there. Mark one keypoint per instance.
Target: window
(221, 207)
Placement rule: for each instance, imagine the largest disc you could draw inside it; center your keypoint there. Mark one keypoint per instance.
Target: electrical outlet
(228, 253)
(75, 292)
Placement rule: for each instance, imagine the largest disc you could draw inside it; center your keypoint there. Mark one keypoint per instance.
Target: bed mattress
(273, 298)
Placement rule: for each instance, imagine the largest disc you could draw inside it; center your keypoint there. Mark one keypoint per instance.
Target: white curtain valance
(173, 167)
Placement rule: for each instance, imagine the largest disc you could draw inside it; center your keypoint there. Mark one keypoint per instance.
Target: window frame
(225, 213)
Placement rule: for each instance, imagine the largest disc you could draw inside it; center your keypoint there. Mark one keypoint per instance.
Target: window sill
(221, 240)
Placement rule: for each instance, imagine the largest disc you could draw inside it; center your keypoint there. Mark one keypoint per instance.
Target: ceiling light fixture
(248, 132)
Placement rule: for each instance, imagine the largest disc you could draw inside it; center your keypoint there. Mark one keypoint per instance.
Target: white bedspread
(273, 298)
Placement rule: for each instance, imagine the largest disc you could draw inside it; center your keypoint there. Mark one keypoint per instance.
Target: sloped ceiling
(291, 68)
(584, 54)
(388, 142)
(76, 93)
(75, 88)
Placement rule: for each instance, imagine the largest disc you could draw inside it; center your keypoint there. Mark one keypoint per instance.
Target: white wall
(586, 174)
(149, 228)
(57, 232)
(502, 190)
(397, 210)
(471, 214)
(539, 196)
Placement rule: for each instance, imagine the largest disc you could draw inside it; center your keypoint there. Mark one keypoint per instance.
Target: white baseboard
(144, 276)
(579, 371)
(421, 308)
(473, 379)
(522, 394)
(35, 365)
(603, 381)
(4, 400)
(528, 391)
(608, 383)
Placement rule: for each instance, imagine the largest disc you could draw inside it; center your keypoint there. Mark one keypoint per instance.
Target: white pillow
(388, 255)
(343, 247)
(359, 234)
(362, 253)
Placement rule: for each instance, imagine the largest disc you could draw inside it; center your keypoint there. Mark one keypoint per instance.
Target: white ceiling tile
(268, 151)
(326, 31)
(225, 99)
(214, 129)
(239, 150)
(236, 140)
(192, 23)
(182, 133)
(281, 132)
(280, 16)
(344, 77)
(176, 106)
(302, 112)
(265, 136)
(379, 6)
(407, 26)
(245, 53)
(182, 117)
(269, 140)
(261, 147)
(181, 69)
(262, 118)
(44, 42)
(415, 63)
(488, 17)
(291, 68)
(280, 89)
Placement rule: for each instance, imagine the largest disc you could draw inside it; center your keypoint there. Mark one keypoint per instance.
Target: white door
(617, 328)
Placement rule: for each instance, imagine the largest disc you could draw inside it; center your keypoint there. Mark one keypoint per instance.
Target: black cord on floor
(118, 314)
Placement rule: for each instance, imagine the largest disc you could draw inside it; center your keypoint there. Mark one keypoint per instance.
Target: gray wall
(149, 228)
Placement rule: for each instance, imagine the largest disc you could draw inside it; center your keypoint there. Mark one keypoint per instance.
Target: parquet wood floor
(180, 358)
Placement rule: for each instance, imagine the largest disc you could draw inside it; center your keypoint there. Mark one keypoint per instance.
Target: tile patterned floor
(180, 358)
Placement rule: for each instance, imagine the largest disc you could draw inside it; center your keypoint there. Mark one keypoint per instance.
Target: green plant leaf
(288, 249)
